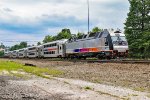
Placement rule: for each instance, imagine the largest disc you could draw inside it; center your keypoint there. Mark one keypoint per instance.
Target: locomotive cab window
(106, 41)
(119, 40)
(84, 36)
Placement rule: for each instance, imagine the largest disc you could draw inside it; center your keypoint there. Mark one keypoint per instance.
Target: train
(107, 44)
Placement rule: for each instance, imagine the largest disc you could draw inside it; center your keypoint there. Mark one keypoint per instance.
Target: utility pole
(88, 16)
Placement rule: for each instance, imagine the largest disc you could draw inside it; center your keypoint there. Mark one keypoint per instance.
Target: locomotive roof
(116, 33)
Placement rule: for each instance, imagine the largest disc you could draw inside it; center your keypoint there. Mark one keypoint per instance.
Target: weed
(88, 88)
(139, 89)
(66, 82)
(134, 95)
(148, 96)
(97, 81)
(115, 96)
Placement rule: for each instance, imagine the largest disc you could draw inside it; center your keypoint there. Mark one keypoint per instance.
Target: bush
(1, 53)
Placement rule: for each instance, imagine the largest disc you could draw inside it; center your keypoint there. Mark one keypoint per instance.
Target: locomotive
(106, 44)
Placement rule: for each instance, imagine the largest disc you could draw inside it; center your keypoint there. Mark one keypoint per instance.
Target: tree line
(64, 34)
(2, 47)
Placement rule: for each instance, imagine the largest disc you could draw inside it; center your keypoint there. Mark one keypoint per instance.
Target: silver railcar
(53, 49)
(32, 52)
(22, 53)
(100, 45)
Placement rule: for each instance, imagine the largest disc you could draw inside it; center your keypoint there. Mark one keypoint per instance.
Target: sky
(32, 20)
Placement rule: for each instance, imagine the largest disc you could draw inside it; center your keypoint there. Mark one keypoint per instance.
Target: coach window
(106, 42)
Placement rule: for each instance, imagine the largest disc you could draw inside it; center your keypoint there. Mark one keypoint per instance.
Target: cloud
(27, 18)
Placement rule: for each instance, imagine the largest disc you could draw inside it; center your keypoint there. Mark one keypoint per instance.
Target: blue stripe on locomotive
(77, 50)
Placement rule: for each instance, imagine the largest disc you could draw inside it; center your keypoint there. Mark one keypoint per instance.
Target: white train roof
(58, 41)
(32, 47)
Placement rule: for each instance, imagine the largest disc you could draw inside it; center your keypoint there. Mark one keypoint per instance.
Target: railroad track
(118, 61)
(97, 61)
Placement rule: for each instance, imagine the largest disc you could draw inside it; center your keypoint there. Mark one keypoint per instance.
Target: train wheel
(108, 58)
(84, 58)
(99, 57)
(79, 57)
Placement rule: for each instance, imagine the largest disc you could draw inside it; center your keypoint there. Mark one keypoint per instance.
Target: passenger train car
(105, 44)
(22, 53)
(32, 52)
(14, 54)
(53, 49)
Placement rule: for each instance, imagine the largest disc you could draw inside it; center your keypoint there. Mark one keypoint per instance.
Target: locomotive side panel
(89, 47)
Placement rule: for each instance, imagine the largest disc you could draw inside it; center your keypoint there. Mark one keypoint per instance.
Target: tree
(19, 46)
(23, 45)
(96, 29)
(1, 53)
(137, 26)
(79, 34)
(39, 43)
(2, 46)
(48, 38)
(64, 34)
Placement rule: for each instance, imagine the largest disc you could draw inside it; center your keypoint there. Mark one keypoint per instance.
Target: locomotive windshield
(119, 40)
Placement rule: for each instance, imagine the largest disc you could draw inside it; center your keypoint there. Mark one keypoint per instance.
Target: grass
(111, 95)
(19, 75)
(148, 96)
(42, 72)
(66, 82)
(97, 81)
(139, 89)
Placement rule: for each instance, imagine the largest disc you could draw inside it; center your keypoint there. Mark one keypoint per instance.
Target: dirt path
(63, 89)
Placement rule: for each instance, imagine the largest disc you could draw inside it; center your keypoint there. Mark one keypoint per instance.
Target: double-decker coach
(14, 54)
(22, 53)
(53, 49)
(32, 52)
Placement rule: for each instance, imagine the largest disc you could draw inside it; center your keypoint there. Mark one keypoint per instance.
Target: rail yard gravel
(133, 76)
